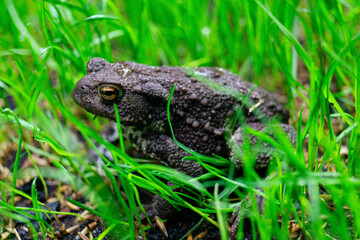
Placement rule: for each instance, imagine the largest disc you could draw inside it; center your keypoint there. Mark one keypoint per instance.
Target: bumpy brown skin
(198, 113)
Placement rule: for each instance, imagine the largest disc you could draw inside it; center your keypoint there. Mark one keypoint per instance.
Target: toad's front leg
(164, 149)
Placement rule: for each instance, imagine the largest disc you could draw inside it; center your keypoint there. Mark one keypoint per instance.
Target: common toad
(199, 114)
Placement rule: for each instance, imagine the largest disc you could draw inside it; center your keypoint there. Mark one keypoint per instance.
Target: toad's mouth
(110, 114)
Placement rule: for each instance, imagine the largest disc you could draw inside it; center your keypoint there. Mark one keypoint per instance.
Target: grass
(308, 50)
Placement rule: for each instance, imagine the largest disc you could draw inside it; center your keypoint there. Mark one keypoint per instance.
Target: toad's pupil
(109, 93)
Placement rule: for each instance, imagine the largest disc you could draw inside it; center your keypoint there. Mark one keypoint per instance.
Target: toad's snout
(80, 92)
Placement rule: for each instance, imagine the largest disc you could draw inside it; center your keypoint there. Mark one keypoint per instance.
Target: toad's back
(198, 112)
(189, 86)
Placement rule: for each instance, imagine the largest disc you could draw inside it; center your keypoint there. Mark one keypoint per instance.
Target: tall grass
(306, 50)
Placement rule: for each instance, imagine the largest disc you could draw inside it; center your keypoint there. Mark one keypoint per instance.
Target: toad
(201, 117)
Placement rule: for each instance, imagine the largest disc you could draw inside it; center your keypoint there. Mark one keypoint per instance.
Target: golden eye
(109, 92)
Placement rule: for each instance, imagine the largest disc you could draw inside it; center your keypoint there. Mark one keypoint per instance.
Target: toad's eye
(109, 92)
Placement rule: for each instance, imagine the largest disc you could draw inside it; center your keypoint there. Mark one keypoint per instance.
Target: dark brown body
(199, 114)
